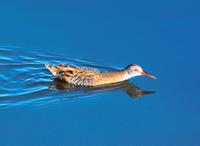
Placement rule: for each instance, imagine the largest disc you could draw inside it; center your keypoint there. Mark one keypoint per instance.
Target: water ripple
(25, 81)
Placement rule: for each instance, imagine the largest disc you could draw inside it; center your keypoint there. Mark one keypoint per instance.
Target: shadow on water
(25, 81)
(132, 90)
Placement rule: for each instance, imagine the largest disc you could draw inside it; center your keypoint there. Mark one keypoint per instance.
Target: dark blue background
(161, 36)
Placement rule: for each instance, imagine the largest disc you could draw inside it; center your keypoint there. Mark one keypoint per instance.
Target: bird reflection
(132, 90)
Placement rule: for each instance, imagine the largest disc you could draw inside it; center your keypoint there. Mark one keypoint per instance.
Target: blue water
(25, 80)
(162, 37)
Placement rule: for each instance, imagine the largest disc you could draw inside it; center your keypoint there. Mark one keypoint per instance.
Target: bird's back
(84, 76)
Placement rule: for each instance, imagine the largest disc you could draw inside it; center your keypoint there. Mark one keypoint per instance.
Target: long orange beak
(148, 75)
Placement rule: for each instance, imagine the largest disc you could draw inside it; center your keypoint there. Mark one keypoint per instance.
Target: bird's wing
(76, 75)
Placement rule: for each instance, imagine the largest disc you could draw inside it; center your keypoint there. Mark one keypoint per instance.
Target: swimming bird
(88, 77)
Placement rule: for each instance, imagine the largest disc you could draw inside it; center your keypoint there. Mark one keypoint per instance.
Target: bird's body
(88, 77)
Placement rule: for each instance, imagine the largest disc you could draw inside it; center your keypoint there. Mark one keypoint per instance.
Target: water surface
(161, 36)
(26, 81)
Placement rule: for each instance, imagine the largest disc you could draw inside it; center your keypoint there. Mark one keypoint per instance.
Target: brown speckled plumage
(83, 76)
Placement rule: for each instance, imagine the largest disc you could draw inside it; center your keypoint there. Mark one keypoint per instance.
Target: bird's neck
(121, 75)
(125, 75)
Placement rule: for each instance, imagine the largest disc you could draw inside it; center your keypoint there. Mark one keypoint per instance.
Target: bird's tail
(52, 69)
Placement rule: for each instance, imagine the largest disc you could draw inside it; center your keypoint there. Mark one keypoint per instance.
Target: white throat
(126, 76)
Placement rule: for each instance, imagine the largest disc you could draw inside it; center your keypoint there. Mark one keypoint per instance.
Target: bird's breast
(109, 77)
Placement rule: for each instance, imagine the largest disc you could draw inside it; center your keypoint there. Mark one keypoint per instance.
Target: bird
(80, 76)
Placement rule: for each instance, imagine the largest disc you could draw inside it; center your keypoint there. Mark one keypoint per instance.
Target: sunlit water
(25, 80)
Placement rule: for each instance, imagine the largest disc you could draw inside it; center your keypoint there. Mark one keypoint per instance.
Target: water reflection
(132, 90)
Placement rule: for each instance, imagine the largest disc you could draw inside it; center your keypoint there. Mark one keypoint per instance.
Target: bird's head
(136, 70)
